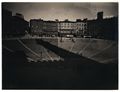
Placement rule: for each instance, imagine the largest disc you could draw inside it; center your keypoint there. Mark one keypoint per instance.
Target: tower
(99, 15)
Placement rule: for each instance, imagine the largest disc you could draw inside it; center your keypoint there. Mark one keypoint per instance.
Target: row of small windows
(70, 26)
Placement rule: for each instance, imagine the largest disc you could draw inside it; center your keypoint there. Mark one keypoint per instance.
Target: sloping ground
(33, 50)
(80, 44)
(107, 55)
(95, 46)
(103, 51)
(65, 43)
(17, 45)
(65, 54)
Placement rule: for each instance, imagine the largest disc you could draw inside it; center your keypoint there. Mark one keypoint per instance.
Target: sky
(62, 11)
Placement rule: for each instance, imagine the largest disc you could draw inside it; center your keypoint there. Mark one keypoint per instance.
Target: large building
(57, 28)
(43, 28)
(81, 27)
(36, 26)
(19, 25)
(13, 25)
(103, 28)
(66, 27)
(50, 28)
(75, 28)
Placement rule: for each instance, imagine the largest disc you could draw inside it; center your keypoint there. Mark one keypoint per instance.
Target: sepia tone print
(60, 46)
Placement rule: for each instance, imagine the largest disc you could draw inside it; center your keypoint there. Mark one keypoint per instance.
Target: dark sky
(61, 11)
